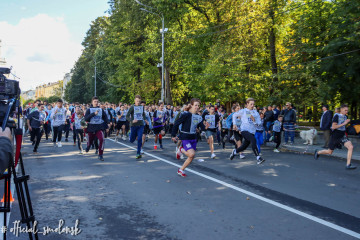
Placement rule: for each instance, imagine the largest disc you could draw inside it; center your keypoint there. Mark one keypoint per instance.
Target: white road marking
(279, 205)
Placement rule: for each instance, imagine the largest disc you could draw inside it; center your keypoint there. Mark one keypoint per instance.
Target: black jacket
(95, 127)
(268, 116)
(326, 120)
(289, 115)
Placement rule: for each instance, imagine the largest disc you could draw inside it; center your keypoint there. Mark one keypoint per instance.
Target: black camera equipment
(10, 107)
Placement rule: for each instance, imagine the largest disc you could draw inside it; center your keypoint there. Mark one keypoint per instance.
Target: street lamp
(162, 31)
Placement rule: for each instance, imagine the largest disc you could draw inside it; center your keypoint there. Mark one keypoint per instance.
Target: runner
(78, 121)
(213, 119)
(147, 126)
(237, 130)
(58, 116)
(121, 123)
(224, 130)
(249, 119)
(259, 134)
(158, 127)
(189, 122)
(136, 117)
(96, 118)
(338, 136)
(35, 122)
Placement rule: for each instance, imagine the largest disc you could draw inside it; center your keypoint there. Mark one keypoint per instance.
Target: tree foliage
(304, 51)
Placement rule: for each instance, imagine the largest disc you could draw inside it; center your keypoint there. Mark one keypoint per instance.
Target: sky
(41, 39)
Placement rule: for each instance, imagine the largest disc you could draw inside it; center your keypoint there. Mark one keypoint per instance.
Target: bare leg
(325, 152)
(211, 144)
(350, 148)
(190, 154)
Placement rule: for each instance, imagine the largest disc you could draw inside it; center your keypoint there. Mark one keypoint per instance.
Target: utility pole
(162, 59)
(95, 76)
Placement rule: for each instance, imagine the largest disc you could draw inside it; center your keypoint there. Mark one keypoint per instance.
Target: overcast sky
(41, 39)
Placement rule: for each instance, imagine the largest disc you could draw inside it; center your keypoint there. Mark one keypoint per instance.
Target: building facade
(49, 89)
(30, 94)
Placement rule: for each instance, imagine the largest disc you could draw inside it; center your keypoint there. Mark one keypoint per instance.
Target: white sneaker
(213, 155)
(142, 152)
(81, 152)
(276, 150)
(124, 138)
(59, 144)
(116, 138)
(242, 156)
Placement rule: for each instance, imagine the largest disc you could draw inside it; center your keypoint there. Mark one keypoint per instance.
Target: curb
(310, 153)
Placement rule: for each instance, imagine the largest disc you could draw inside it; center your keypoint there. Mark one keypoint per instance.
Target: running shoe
(176, 150)
(124, 138)
(59, 144)
(81, 152)
(181, 173)
(161, 146)
(179, 153)
(213, 156)
(350, 167)
(271, 138)
(232, 155)
(276, 150)
(316, 154)
(242, 156)
(138, 156)
(155, 147)
(101, 158)
(142, 152)
(35, 150)
(260, 160)
(116, 138)
(87, 149)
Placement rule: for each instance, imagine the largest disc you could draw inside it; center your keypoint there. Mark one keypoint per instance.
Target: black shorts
(336, 140)
(146, 129)
(119, 124)
(158, 130)
(237, 136)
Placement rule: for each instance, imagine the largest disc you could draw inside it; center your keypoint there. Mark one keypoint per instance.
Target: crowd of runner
(246, 125)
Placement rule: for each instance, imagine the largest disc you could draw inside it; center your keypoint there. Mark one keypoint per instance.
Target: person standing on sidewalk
(289, 123)
(325, 124)
(268, 121)
(136, 117)
(338, 137)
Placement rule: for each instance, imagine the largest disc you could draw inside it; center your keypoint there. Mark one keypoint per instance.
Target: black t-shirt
(339, 119)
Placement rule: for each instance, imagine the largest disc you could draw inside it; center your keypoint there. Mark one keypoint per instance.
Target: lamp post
(95, 75)
(162, 31)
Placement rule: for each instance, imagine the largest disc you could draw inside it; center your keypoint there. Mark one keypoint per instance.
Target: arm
(88, 116)
(130, 113)
(177, 123)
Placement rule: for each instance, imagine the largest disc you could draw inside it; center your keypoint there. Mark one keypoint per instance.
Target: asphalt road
(290, 196)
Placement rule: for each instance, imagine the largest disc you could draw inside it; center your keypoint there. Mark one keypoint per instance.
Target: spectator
(276, 111)
(289, 123)
(325, 124)
(268, 121)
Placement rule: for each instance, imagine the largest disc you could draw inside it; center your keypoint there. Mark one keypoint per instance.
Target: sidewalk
(299, 147)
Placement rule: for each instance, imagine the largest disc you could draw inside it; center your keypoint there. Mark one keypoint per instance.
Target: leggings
(100, 136)
(259, 139)
(277, 138)
(79, 134)
(57, 133)
(224, 132)
(249, 138)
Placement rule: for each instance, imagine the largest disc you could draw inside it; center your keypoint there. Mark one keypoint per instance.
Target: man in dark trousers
(289, 123)
(325, 124)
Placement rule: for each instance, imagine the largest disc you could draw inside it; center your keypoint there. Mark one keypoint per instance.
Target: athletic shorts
(119, 124)
(158, 130)
(146, 129)
(237, 136)
(336, 141)
(189, 144)
(210, 133)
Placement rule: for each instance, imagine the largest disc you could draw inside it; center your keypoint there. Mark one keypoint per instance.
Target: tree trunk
(272, 43)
